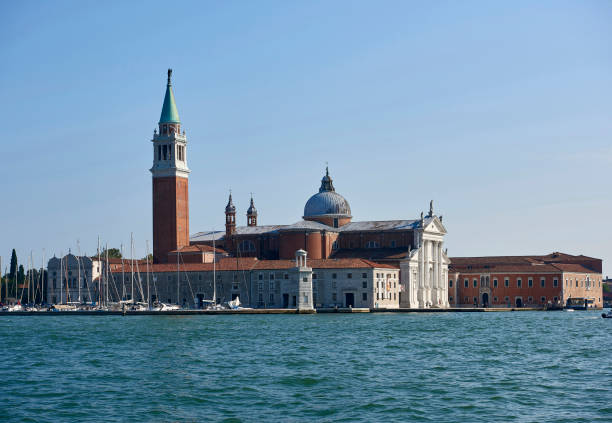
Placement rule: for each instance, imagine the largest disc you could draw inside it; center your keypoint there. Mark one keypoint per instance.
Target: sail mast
(99, 276)
(178, 274)
(132, 263)
(148, 288)
(214, 271)
(122, 275)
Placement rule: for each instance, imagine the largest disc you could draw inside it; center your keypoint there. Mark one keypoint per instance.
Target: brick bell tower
(170, 182)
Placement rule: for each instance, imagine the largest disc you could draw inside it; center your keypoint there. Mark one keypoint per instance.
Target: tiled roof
(251, 263)
(374, 254)
(380, 225)
(199, 248)
(553, 262)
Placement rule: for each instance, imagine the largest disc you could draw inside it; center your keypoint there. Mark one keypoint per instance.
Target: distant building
(272, 283)
(71, 279)
(326, 232)
(525, 281)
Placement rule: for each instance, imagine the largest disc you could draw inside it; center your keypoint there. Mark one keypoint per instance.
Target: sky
(500, 112)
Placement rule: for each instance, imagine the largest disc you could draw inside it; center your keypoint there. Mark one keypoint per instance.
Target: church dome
(327, 202)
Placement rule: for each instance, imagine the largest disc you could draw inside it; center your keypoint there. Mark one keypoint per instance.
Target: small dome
(230, 208)
(327, 202)
(252, 211)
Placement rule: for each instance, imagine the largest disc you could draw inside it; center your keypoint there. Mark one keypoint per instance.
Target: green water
(455, 367)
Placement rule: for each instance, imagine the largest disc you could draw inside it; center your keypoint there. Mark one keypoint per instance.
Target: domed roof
(252, 211)
(327, 202)
(230, 208)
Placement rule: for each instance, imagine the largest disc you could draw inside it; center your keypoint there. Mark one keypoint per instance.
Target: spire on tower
(169, 112)
(327, 183)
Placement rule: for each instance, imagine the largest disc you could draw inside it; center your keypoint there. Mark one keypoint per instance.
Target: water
(523, 367)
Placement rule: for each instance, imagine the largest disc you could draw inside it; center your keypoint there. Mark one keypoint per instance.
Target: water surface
(455, 367)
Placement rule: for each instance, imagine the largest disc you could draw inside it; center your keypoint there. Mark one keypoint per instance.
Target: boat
(165, 307)
(607, 315)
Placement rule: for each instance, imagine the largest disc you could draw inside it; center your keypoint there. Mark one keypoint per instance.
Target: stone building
(71, 279)
(525, 281)
(272, 283)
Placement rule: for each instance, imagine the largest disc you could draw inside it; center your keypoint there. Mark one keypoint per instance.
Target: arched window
(246, 246)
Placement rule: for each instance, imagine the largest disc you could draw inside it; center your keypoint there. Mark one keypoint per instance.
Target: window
(334, 297)
(495, 284)
(364, 296)
(335, 245)
(260, 298)
(530, 282)
(529, 299)
(165, 150)
(260, 276)
(246, 246)
(271, 298)
(335, 222)
(506, 282)
(475, 283)
(392, 244)
(349, 275)
(555, 299)
(286, 276)
(305, 279)
(465, 282)
(271, 276)
(487, 281)
(482, 281)
(260, 286)
(200, 277)
(475, 300)
(555, 282)
(466, 300)
(494, 299)
(235, 286)
(364, 284)
(519, 283)
(450, 283)
(169, 278)
(334, 284)
(372, 244)
(54, 284)
(543, 282)
(576, 283)
(334, 276)
(507, 300)
(543, 299)
(271, 285)
(450, 299)
(394, 296)
(314, 275)
(364, 275)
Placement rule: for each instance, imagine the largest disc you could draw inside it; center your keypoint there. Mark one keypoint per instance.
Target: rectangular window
(349, 275)
(555, 282)
(450, 283)
(576, 283)
(334, 276)
(271, 276)
(305, 279)
(519, 283)
(494, 283)
(271, 286)
(530, 282)
(364, 284)
(475, 283)
(542, 282)
(334, 297)
(260, 286)
(314, 275)
(271, 298)
(260, 277)
(465, 282)
(286, 276)
(364, 296)
(364, 275)
(334, 284)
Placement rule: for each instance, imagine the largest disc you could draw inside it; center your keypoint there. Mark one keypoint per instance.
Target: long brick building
(556, 279)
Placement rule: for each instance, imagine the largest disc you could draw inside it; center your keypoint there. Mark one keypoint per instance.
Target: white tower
(304, 275)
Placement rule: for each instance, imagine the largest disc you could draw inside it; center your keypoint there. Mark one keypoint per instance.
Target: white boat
(607, 315)
(15, 307)
(166, 307)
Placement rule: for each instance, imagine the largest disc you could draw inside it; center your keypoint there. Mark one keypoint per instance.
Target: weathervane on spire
(169, 75)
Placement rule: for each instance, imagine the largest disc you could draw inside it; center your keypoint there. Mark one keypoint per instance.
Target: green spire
(169, 113)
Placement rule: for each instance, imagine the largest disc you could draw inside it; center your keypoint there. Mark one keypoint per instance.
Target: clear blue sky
(499, 111)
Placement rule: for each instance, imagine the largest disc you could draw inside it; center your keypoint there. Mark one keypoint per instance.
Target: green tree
(112, 253)
(13, 270)
(21, 274)
(150, 257)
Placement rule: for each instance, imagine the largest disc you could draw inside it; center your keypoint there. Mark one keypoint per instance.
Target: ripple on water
(458, 367)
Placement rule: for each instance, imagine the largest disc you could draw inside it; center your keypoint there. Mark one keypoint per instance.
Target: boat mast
(99, 276)
(148, 291)
(107, 272)
(214, 271)
(61, 275)
(122, 275)
(42, 276)
(178, 274)
(79, 267)
(30, 279)
(132, 264)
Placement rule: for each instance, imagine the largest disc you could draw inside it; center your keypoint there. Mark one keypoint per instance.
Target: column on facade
(427, 259)
(421, 273)
(434, 264)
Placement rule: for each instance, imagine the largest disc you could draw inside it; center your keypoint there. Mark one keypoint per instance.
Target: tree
(21, 274)
(150, 257)
(13, 270)
(112, 253)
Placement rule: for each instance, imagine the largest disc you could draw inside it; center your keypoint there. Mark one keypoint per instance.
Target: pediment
(434, 226)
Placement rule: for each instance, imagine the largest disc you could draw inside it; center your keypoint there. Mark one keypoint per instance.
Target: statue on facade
(431, 208)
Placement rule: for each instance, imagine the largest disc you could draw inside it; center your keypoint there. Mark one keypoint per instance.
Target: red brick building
(525, 281)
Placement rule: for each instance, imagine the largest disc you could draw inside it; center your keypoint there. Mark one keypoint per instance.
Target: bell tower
(170, 181)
